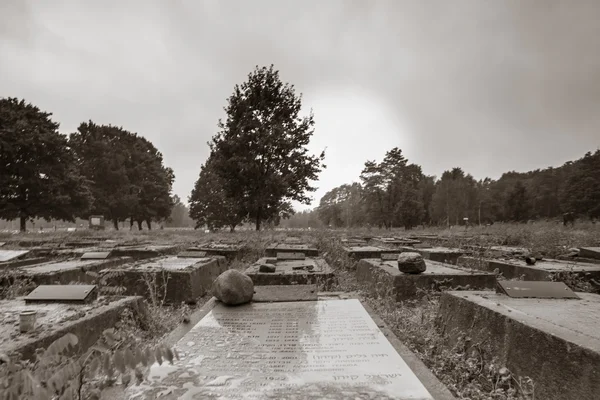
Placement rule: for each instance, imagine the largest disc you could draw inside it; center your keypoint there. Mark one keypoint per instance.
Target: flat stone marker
(382, 275)
(308, 250)
(2, 244)
(544, 270)
(95, 255)
(360, 252)
(279, 293)
(291, 256)
(556, 342)
(328, 349)
(7, 255)
(590, 252)
(62, 294)
(192, 254)
(290, 272)
(536, 290)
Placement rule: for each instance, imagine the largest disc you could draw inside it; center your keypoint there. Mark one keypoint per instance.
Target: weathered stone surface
(556, 342)
(177, 279)
(384, 278)
(301, 350)
(411, 263)
(233, 288)
(543, 270)
(308, 250)
(290, 272)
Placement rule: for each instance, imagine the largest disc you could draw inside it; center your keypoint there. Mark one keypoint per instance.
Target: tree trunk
(130, 223)
(23, 224)
(258, 220)
(116, 224)
(139, 225)
(149, 224)
(232, 228)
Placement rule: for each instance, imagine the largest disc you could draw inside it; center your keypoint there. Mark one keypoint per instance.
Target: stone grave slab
(280, 293)
(317, 349)
(590, 252)
(68, 271)
(54, 320)
(535, 290)
(2, 244)
(353, 242)
(62, 294)
(8, 255)
(290, 256)
(95, 255)
(192, 254)
(293, 239)
(177, 279)
(288, 272)
(385, 277)
(146, 251)
(543, 270)
(441, 254)
(556, 342)
(360, 252)
(396, 241)
(229, 250)
(15, 263)
(308, 250)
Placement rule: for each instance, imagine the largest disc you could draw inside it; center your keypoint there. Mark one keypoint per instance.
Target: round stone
(411, 263)
(233, 288)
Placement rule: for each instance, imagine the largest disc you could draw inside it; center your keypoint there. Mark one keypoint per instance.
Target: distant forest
(395, 193)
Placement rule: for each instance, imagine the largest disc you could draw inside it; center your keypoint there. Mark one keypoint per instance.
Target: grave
(590, 252)
(21, 262)
(440, 254)
(275, 248)
(360, 252)
(542, 270)
(95, 255)
(556, 342)
(54, 320)
(96, 222)
(385, 277)
(229, 250)
(67, 271)
(353, 242)
(77, 294)
(290, 271)
(145, 251)
(281, 293)
(328, 349)
(9, 255)
(176, 279)
(396, 241)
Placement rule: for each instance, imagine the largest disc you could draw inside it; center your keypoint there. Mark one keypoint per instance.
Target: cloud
(488, 86)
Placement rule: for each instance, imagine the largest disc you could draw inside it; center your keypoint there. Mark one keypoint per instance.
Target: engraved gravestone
(328, 349)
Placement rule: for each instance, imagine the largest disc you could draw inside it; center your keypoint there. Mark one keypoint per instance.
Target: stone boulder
(267, 268)
(411, 263)
(233, 288)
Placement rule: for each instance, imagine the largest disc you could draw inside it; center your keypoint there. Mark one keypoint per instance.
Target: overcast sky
(489, 86)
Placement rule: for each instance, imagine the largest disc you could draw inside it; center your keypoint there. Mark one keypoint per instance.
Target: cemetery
(171, 279)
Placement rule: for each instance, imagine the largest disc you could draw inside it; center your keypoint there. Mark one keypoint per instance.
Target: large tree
(126, 173)
(260, 152)
(38, 177)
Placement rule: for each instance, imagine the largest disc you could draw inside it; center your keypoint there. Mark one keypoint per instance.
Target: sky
(488, 86)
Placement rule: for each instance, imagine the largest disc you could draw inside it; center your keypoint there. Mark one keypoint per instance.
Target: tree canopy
(39, 177)
(126, 174)
(259, 156)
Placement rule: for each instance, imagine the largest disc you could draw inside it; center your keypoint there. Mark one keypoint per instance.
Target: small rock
(530, 260)
(411, 263)
(266, 268)
(233, 287)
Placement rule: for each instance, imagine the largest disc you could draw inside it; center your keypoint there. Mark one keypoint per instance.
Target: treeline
(97, 170)
(395, 193)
